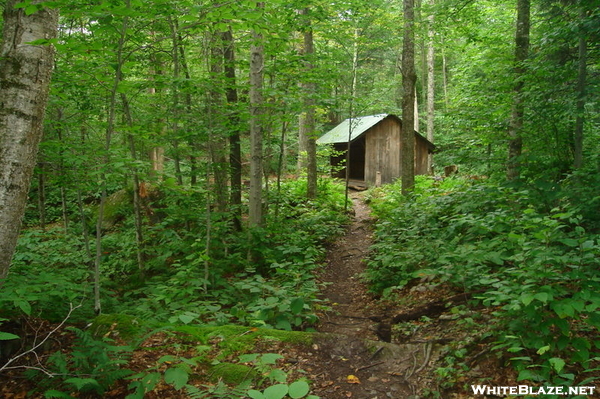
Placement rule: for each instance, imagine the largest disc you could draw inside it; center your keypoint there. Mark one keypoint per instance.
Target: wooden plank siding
(375, 153)
(382, 152)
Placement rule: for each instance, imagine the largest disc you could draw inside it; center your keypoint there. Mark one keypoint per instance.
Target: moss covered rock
(231, 373)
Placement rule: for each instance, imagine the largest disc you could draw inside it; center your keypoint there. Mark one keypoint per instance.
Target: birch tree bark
(409, 77)
(430, 83)
(25, 72)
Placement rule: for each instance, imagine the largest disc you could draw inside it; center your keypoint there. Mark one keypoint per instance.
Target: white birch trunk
(407, 153)
(24, 82)
(430, 85)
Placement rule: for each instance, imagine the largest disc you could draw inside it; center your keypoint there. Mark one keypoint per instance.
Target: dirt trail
(345, 290)
(355, 362)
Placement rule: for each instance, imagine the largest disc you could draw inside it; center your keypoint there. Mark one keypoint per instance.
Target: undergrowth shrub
(266, 276)
(537, 268)
(48, 273)
(92, 366)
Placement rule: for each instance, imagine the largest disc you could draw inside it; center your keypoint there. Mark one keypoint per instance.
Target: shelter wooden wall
(383, 151)
(422, 148)
(375, 155)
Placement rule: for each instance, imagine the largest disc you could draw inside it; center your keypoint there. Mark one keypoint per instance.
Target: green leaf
(188, 317)
(167, 358)
(24, 306)
(557, 364)
(563, 309)
(270, 358)
(254, 394)
(526, 375)
(277, 391)
(54, 394)
(248, 358)
(297, 305)
(543, 350)
(542, 297)
(81, 383)
(150, 380)
(177, 377)
(298, 389)
(283, 324)
(527, 299)
(4, 336)
(31, 9)
(277, 375)
(570, 242)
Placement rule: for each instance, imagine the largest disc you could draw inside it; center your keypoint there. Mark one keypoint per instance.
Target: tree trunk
(350, 120)
(110, 129)
(307, 118)
(157, 153)
(407, 153)
(445, 79)
(137, 201)
(176, 106)
(515, 144)
(430, 84)
(217, 143)
(189, 109)
(256, 127)
(61, 171)
(581, 94)
(24, 81)
(235, 149)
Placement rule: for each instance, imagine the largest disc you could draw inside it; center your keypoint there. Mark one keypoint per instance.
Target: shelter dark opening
(357, 159)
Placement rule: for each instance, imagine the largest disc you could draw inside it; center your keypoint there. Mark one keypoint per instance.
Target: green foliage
(285, 253)
(535, 265)
(34, 289)
(176, 373)
(92, 366)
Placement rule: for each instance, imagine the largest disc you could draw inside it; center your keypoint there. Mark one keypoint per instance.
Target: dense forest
(170, 190)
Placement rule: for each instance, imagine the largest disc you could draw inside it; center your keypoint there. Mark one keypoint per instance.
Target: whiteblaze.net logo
(530, 391)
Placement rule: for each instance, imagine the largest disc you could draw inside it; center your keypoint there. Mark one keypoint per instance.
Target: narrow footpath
(355, 361)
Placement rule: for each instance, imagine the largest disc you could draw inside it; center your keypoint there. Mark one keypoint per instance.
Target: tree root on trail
(433, 308)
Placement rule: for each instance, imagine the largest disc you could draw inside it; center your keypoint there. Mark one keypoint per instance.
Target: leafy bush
(92, 366)
(539, 271)
(49, 272)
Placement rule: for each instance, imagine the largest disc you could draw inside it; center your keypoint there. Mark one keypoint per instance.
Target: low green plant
(170, 369)
(534, 263)
(92, 366)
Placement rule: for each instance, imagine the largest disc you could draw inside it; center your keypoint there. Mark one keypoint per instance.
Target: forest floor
(371, 357)
(366, 348)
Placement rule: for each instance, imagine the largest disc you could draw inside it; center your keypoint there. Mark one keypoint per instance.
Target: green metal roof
(340, 133)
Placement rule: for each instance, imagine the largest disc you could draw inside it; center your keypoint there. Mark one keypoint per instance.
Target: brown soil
(355, 361)
(372, 356)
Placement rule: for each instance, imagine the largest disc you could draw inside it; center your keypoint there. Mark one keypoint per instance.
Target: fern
(219, 391)
(92, 366)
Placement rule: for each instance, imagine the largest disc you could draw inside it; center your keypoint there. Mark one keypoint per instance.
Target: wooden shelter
(375, 148)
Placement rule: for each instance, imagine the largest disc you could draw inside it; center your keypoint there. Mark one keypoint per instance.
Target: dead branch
(7, 365)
